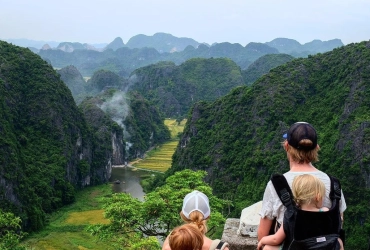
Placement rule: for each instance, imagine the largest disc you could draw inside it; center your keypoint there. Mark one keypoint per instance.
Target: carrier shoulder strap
(221, 245)
(335, 196)
(218, 245)
(335, 189)
(282, 189)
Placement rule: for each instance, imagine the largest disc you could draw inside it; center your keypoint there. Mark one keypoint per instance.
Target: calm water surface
(130, 181)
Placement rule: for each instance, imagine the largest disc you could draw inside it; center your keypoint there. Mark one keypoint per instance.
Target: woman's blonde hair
(303, 156)
(186, 237)
(196, 218)
(307, 188)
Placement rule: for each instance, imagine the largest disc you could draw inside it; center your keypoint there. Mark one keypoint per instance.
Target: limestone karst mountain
(237, 138)
(115, 44)
(162, 42)
(144, 50)
(47, 150)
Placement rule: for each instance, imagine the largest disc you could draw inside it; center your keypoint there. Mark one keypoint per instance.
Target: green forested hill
(263, 65)
(236, 138)
(175, 88)
(74, 81)
(47, 149)
(141, 124)
(162, 42)
(294, 48)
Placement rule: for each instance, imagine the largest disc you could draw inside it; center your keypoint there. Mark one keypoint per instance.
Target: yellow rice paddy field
(160, 157)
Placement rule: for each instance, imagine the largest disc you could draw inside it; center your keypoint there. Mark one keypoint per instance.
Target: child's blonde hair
(186, 237)
(307, 189)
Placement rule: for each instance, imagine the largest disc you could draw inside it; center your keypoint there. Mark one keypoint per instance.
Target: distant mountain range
(164, 42)
(141, 51)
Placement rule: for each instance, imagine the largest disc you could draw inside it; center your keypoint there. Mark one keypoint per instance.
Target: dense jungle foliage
(100, 81)
(132, 221)
(173, 89)
(74, 81)
(143, 118)
(236, 138)
(263, 65)
(104, 79)
(139, 124)
(49, 147)
(40, 125)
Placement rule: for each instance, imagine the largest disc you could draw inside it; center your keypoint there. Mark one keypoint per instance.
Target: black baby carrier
(306, 230)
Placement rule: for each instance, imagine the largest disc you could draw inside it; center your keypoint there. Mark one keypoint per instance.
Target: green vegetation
(102, 79)
(263, 65)
(43, 137)
(9, 231)
(173, 89)
(74, 81)
(50, 148)
(160, 157)
(66, 227)
(176, 127)
(144, 124)
(237, 138)
(140, 124)
(131, 219)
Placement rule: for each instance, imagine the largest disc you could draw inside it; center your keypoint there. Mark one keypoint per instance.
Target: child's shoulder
(324, 209)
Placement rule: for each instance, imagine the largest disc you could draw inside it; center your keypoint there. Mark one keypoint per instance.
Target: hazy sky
(234, 21)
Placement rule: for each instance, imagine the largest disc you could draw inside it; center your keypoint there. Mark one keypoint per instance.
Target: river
(129, 181)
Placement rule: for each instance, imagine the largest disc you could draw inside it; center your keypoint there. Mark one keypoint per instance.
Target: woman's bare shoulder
(166, 245)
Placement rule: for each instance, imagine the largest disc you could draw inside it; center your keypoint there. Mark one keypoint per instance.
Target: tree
(10, 233)
(134, 223)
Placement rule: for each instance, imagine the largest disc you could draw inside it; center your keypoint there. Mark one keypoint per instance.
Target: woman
(196, 211)
(302, 149)
(308, 192)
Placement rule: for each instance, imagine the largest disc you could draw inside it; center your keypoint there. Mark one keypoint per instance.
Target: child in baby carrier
(303, 219)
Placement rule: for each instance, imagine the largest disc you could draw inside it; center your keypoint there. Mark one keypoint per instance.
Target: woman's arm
(264, 227)
(273, 240)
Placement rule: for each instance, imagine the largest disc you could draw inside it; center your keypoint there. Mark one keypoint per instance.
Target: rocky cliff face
(47, 149)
